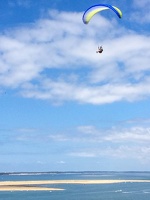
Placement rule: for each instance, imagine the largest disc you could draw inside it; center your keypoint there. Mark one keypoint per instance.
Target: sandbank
(26, 188)
(36, 185)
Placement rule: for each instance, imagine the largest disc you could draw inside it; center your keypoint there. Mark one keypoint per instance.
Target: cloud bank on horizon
(54, 59)
(125, 143)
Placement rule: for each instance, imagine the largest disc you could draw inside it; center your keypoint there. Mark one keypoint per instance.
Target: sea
(115, 191)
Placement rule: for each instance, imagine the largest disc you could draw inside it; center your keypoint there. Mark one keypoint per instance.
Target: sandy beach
(36, 185)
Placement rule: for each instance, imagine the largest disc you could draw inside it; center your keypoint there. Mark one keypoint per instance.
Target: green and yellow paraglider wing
(90, 12)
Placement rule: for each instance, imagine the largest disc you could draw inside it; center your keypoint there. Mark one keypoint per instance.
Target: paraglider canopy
(90, 12)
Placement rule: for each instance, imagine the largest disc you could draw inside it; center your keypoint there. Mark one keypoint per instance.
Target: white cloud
(141, 12)
(25, 3)
(132, 135)
(116, 135)
(128, 140)
(120, 142)
(82, 154)
(142, 4)
(122, 152)
(57, 137)
(87, 129)
(137, 153)
(54, 59)
(61, 162)
(116, 142)
(127, 134)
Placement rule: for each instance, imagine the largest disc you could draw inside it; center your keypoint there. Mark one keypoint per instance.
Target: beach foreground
(36, 185)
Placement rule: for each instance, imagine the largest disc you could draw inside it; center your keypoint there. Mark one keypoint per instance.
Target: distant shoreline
(36, 185)
(63, 172)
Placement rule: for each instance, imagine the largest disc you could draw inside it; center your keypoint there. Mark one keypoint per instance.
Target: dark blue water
(117, 191)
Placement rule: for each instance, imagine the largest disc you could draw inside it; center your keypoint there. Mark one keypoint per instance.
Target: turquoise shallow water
(119, 191)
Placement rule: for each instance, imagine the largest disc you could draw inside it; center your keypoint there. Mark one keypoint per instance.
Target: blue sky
(62, 106)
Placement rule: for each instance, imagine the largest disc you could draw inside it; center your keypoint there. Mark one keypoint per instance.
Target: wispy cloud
(141, 12)
(129, 135)
(25, 3)
(142, 4)
(127, 140)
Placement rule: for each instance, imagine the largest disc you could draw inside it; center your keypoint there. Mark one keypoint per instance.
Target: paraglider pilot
(100, 49)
